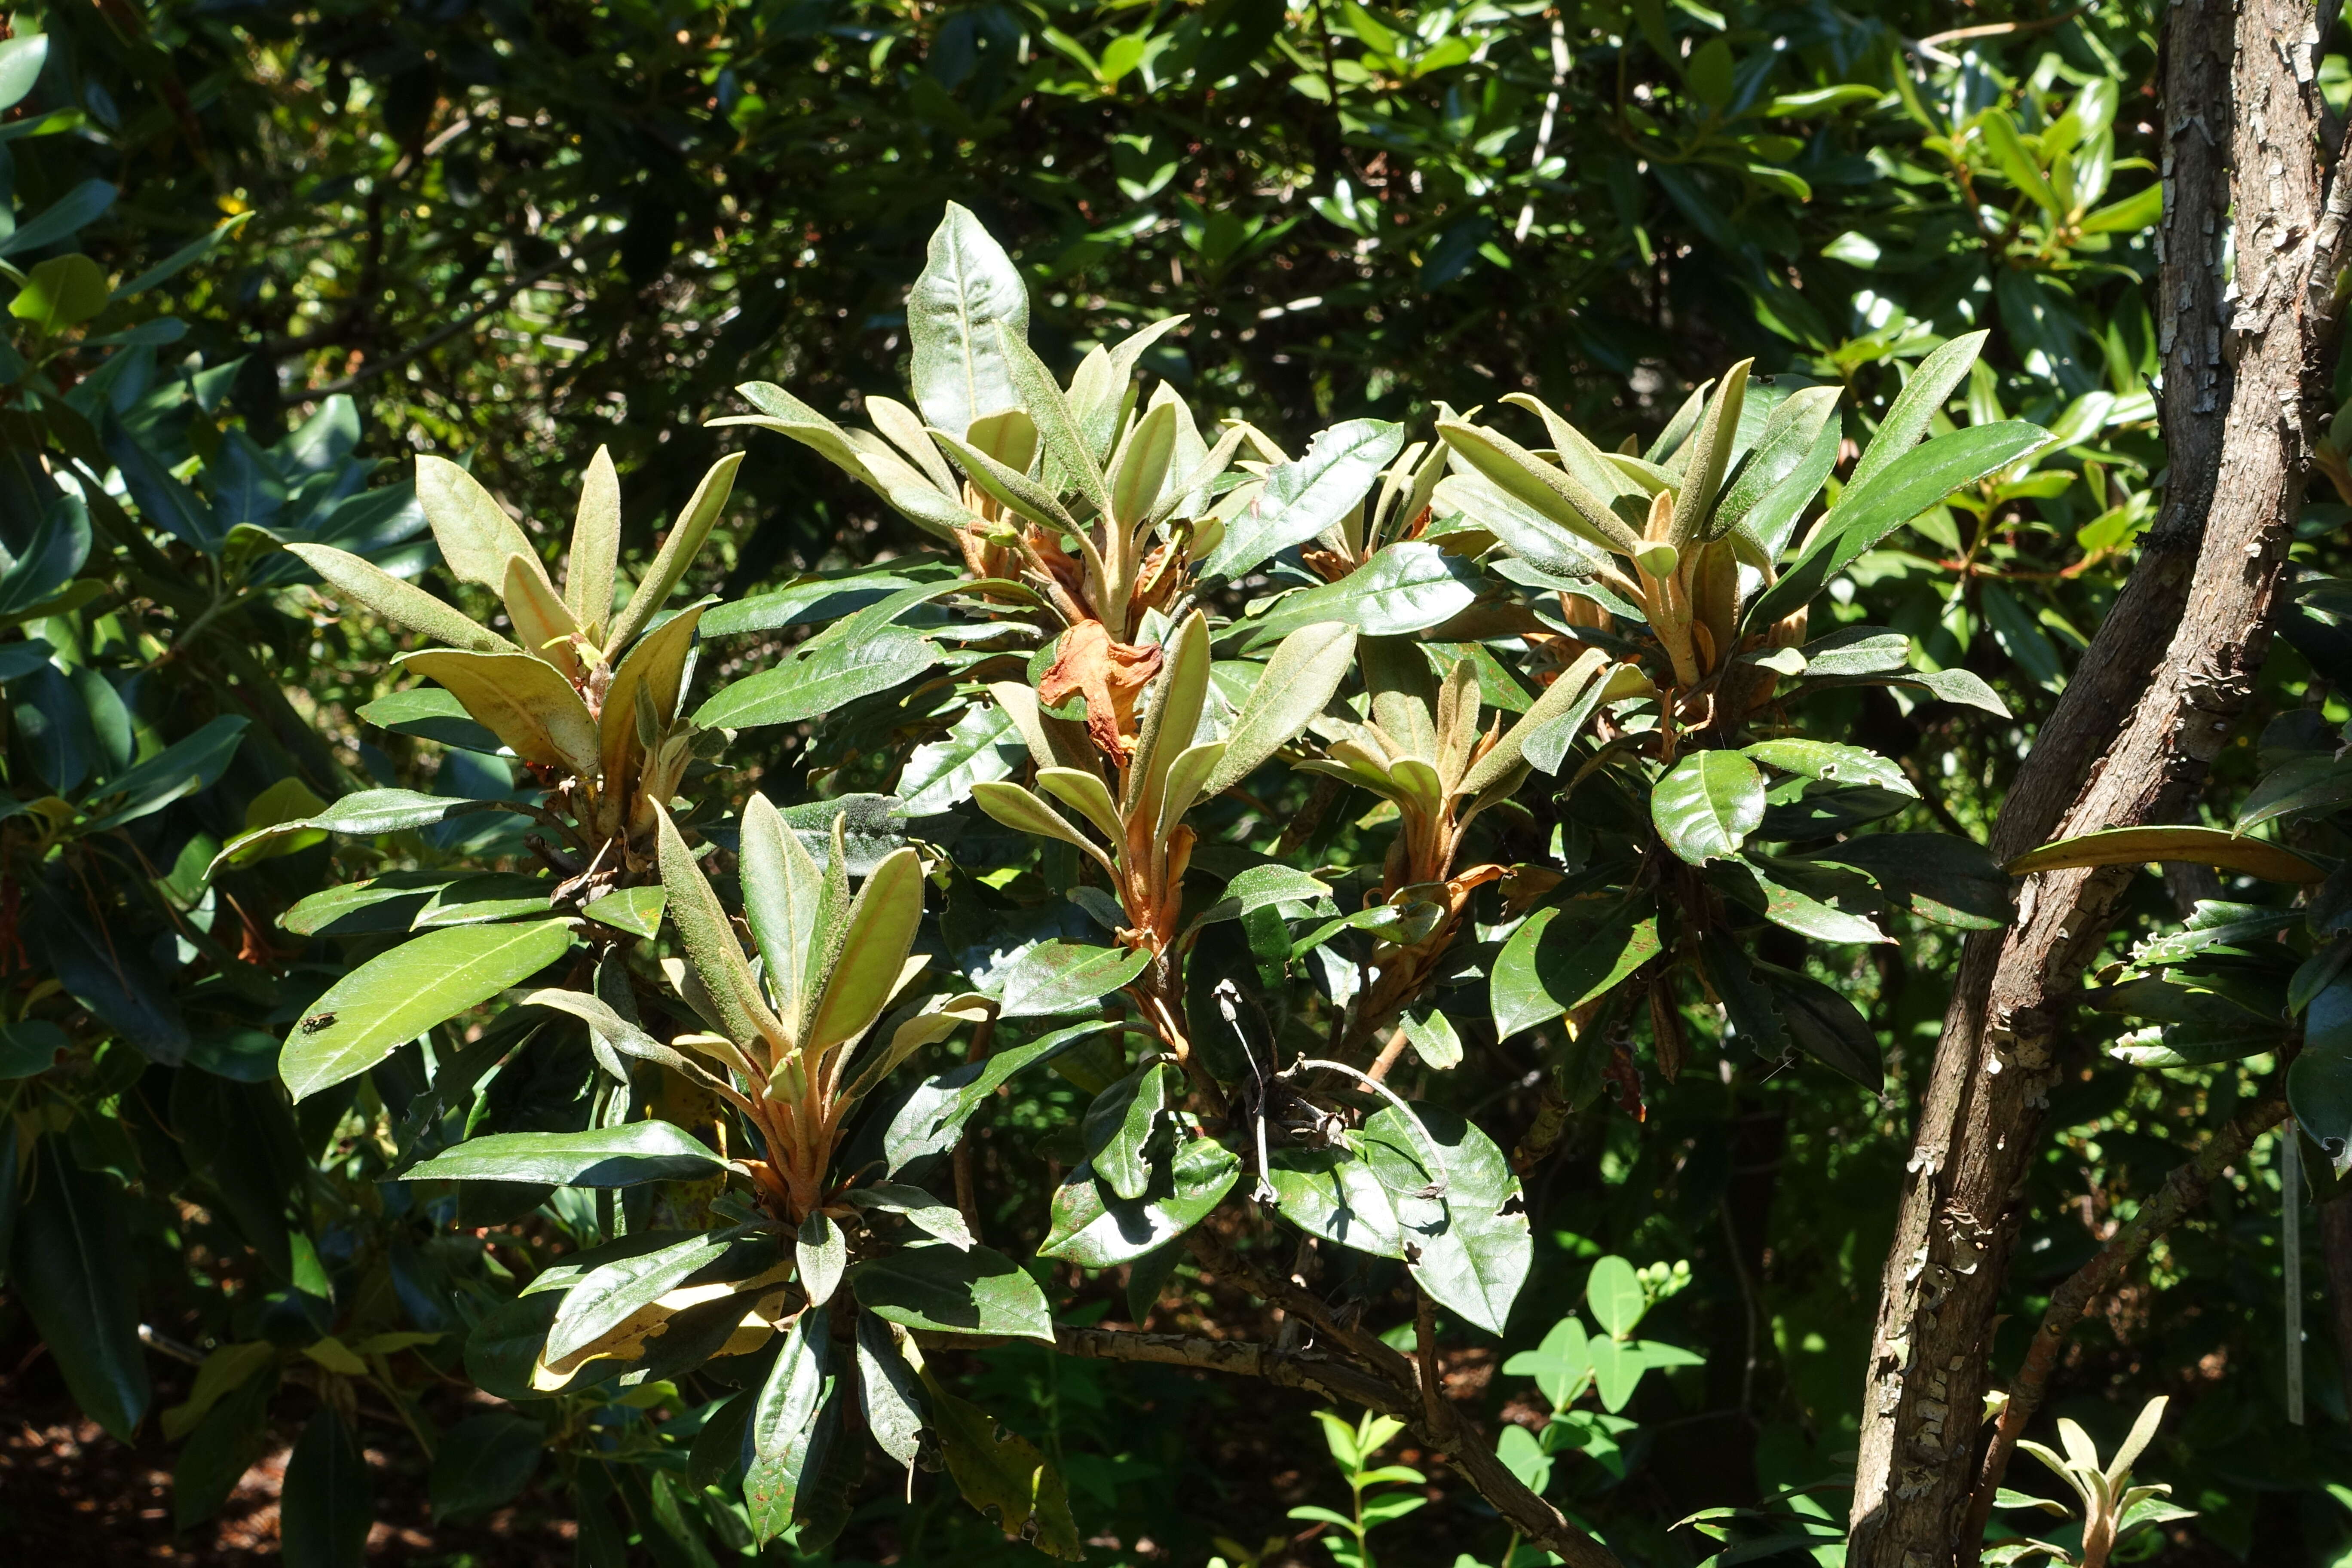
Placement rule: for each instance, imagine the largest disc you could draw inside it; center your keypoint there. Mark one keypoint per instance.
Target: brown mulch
(70, 1495)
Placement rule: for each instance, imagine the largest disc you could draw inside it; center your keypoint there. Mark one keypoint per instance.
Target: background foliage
(514, 234)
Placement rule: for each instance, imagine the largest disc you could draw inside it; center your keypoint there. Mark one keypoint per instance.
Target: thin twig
(2183, 1190)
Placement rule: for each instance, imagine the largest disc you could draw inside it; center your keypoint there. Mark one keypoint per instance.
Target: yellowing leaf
(1004, 1474)
(2197, 845)
(524, 701)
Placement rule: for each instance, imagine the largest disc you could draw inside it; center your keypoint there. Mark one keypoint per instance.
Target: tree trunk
(2177, 655)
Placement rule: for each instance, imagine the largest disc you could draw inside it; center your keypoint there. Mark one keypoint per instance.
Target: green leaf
(1565, 955)
(1303, 498)
(2017, 163)
(1938, 877)
(1705, 456)
(397, 995)
(325, 1504)
(1402, 589)
(968, 291)
(712, 946)
(2197, 845)
(1868, 511)
(983, 747)
(1550, 491)
(28, 1047)
(58, 548)
(1296, 684)
(188, 766)
(1058, 977)
(927, 1214)
(431, 714)
(1118, 1125)
(1335, 1193)
(932, 1118)
(21, 59)
(1526, 532)
(1924, 394)
(1095, 1227)
(602, 1298)
(819, 679)
(70, 1270)
(521, 700)
(1707, 804)
(596, 547)
(1433, 1037)
(1792, 911)
(637, 911)
(1559, 1364)
(1826, 1027)
(369, 813)
(822, 1252)
(1004, 1471)
(400, 602)
(62, 292)
(1833, 762)
(2319, 1079)
(678, 548)
(476, 535)
(1475, 1261)
(1614, 1290)
(973, 1290)
(223, 1446)
(877, 935)
(484, 1461)
(623, 1156)
(889, 1391)
(1552, 722)
(1261, 887)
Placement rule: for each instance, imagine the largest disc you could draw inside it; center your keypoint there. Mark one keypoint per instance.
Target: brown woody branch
(2182, 1191)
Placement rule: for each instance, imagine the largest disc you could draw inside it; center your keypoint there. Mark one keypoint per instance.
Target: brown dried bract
(1110, 675)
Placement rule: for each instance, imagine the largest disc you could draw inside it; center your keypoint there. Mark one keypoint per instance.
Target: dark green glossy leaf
(819, 679)
(1056, 977)
(1868, 511)
(1939, 877)
(1096, 1228)
(1475, 1261)
(398, 996)
(1565, 956)
(70, 1270)
(1706, 805)
(624, 1156)
(954, 1290)
(483, 1462)
(1118, 1125)
(932, 1118)
(1826, 1027)
(326, 1504)
(1405, 588)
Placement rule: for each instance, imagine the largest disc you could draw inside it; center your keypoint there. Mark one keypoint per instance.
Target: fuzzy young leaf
(476, 535)
(523, 701)
(968, 291)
